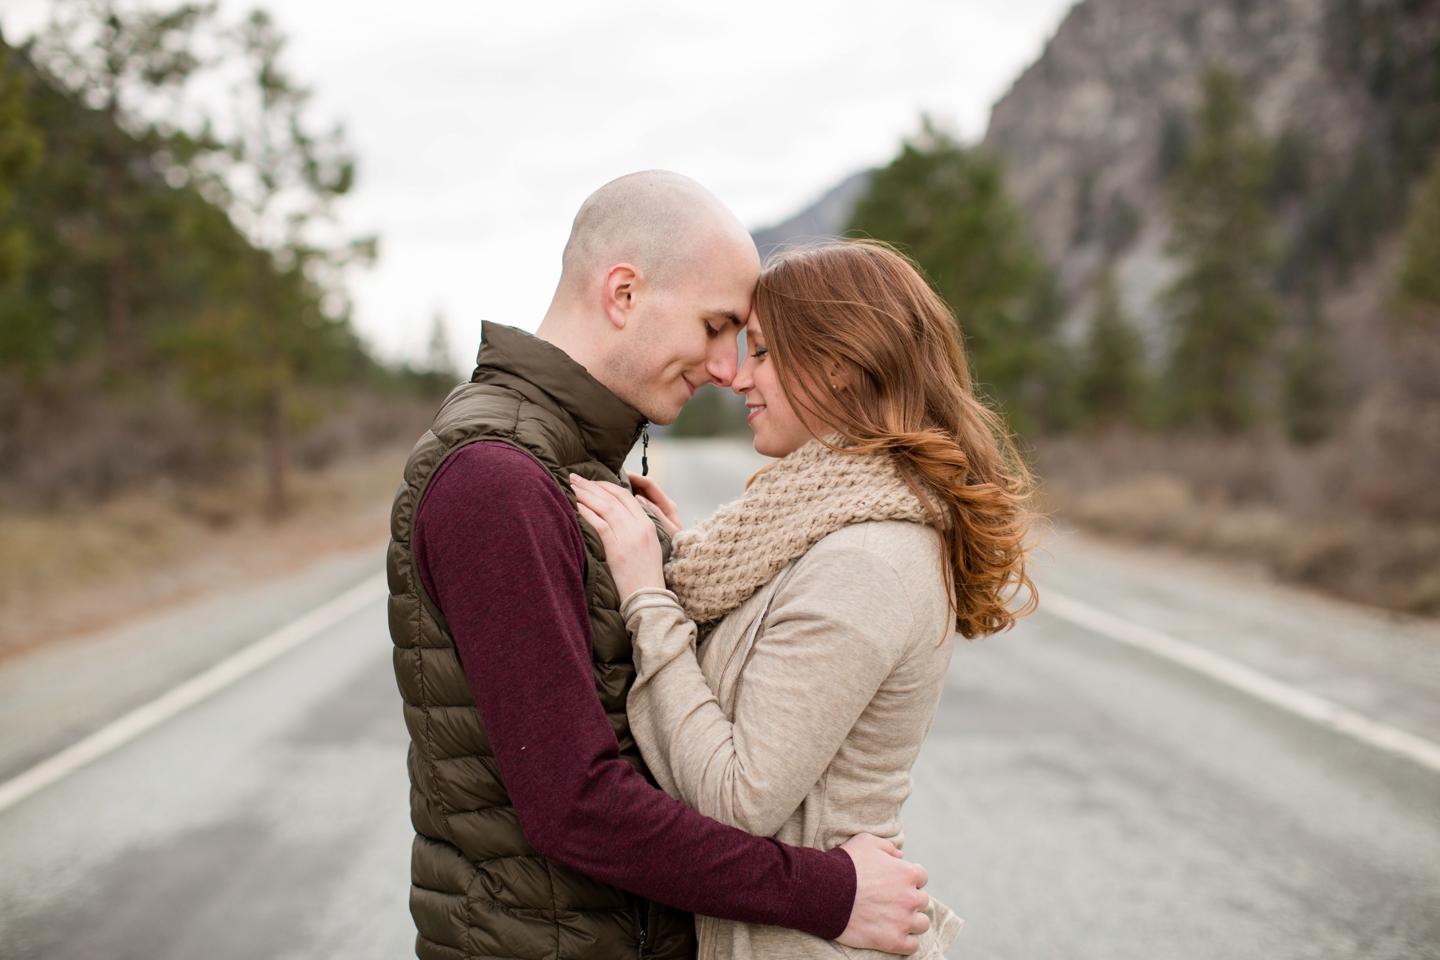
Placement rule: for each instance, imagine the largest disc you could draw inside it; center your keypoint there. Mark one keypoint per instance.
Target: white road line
(191, 692)
(1277, 693)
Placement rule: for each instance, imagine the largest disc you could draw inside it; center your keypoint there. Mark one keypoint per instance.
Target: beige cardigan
(804, 710)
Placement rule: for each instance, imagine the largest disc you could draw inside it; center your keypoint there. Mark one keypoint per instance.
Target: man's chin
(663, 406)
(663, 418)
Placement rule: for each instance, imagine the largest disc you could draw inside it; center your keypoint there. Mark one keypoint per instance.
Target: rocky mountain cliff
(1091, 132)
(1087, 132)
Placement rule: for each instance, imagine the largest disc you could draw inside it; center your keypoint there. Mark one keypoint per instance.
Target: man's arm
(500, 552)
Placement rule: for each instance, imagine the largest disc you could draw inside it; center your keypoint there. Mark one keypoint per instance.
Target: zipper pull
(642, 920)
(645, 451)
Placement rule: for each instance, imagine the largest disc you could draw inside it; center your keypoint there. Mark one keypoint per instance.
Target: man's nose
(723, 365)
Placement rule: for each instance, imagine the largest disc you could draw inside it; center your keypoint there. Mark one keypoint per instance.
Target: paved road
(1076, 798)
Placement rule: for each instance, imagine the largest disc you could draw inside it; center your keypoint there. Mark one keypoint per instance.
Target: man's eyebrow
(730, 315)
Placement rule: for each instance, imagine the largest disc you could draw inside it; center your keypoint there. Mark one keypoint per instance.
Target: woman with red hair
(791, 653)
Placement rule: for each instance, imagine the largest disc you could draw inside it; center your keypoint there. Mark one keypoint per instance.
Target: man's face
(684, 331)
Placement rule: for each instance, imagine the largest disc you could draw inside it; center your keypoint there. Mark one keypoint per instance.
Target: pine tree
(1112, 379)
(20, 145)
(1311, 392)
(22, 340)
(946, 207)
(438, 357)
(1417, 288)
(113, 56)
(283, 179)
(1223, 317)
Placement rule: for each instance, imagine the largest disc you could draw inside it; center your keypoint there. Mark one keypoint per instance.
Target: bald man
(539, 833)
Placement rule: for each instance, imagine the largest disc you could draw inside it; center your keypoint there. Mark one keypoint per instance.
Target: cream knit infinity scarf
(788, 509)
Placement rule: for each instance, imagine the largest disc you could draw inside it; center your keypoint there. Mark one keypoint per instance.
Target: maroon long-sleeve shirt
(500, 552)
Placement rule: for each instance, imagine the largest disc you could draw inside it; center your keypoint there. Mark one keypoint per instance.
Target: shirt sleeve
(500, 553)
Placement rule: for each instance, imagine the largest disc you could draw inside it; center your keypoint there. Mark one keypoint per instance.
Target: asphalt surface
(1076, 798)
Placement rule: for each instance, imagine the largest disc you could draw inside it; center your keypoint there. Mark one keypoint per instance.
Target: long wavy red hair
(862, 313)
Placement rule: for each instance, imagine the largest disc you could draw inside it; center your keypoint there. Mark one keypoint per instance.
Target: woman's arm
(835, 630)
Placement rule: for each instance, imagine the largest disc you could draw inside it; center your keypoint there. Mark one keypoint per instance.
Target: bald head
(657, 283)
(662, 222)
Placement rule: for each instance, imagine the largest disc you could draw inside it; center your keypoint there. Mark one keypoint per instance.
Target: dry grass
(1238, 502)
(82, 568)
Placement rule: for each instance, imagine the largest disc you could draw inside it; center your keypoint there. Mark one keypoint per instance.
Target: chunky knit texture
(788, 509)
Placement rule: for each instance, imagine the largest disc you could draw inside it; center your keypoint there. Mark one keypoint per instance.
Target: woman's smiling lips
(754, 412)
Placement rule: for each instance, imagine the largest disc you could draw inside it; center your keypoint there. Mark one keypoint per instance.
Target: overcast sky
(481, 126)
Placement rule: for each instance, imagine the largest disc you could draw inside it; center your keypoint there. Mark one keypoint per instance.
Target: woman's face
(779, 429)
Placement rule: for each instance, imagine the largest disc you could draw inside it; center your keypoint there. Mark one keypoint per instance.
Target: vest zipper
(642, 920)
(645, 450)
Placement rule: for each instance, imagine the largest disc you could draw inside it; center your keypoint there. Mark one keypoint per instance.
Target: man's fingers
(908, 946)
(919, 923)
(922, 877)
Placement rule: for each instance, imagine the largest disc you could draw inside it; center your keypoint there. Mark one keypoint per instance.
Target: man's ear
(622, 290)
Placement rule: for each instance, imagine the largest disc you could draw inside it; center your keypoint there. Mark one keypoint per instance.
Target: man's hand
(888, 898)
(649, 492)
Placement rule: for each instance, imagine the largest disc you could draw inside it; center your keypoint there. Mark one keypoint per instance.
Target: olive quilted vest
(478, 889)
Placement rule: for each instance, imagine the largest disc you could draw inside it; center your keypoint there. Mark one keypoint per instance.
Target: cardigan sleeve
(836, 629)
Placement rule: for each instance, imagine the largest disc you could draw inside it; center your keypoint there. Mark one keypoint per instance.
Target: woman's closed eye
(760, 352)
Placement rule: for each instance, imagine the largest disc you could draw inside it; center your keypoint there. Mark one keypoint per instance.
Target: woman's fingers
(595, 496)
(632, 549)
(653, 497)
(651, 491)
(593, 501)
(599, 511)
(625, 517)
(596, 521)
(605, 494)
(625, 498)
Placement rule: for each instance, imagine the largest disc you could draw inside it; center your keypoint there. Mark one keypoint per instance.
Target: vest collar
(608, 425)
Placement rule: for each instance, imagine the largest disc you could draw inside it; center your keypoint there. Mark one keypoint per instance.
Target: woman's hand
(632, 547)
(648, 492)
